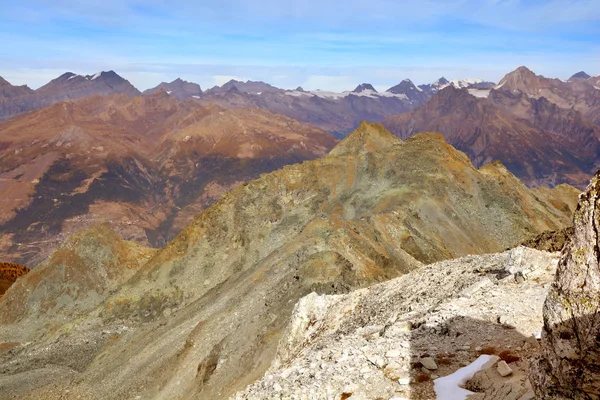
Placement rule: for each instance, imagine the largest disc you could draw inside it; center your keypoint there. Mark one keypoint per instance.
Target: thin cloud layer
(300, 43)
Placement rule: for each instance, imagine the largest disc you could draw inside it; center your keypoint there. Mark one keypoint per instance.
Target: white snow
(324, 94)
(74, 76)
(500, 85)
(479, 93)
(448, 387)
(169, 91)
(596, 87)
(96, 75)
(196, 97)
(463, 83)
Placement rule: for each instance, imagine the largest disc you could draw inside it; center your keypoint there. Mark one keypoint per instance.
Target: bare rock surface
(379, 342)
(570, 365)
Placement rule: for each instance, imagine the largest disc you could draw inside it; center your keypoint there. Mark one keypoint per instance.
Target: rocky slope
(394, 339)
(538, 141)
(179, 89)
(68, 86)
(203, 317)
(569, 366)
(146, 166)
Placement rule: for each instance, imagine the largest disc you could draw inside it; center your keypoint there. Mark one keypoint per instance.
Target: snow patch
(196, 97)
(96, 75)
(324, 94)
(449, 387)
(500, 85)
(482, 94)
(169, 91)
(73, 76)
(463, 83)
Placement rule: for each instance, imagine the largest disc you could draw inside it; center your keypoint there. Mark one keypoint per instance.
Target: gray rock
(429, 363)
(570, 364)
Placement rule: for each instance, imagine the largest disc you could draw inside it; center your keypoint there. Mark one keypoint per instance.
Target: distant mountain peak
(406, 87)
(364, 87)
(443, 81)
(580, 76)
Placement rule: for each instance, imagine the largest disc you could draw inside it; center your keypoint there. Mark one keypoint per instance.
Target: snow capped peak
(365, 87)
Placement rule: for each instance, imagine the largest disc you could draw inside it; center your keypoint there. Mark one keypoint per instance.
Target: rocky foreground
(393, 339)
(202, 318)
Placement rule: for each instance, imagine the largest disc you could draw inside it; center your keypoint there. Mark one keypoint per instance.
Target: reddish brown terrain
(146, 166)
(538, 140)
(9, 273)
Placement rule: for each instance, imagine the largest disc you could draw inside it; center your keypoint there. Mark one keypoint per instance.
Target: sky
(316, 44)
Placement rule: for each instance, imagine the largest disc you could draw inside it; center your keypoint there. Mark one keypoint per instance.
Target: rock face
(204, 316)
(570, 365)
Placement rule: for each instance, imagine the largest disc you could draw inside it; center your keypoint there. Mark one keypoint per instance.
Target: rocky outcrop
(570, 365)
(550, 240)
(391, 340)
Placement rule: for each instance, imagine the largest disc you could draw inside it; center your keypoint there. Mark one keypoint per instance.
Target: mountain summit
(367, 138)
(178, 88)
(364, 87)
(580, 76)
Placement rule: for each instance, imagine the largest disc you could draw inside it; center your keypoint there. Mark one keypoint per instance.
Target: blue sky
(324, 44)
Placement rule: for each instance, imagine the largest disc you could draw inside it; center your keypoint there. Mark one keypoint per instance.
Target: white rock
(429, 363)
(504, 369)
(394, 353)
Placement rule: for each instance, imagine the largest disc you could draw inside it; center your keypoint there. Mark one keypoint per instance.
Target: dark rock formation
(551, 240)
(570, 364)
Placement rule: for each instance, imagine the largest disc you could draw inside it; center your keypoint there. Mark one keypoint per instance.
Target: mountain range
(202, 316)
(145, 165)
(543, 140)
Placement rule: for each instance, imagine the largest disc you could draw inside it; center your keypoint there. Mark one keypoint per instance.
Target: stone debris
(425, 323)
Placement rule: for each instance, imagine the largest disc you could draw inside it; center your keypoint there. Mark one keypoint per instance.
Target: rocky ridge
(178, 88)
(68, 86)
(204, 315)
